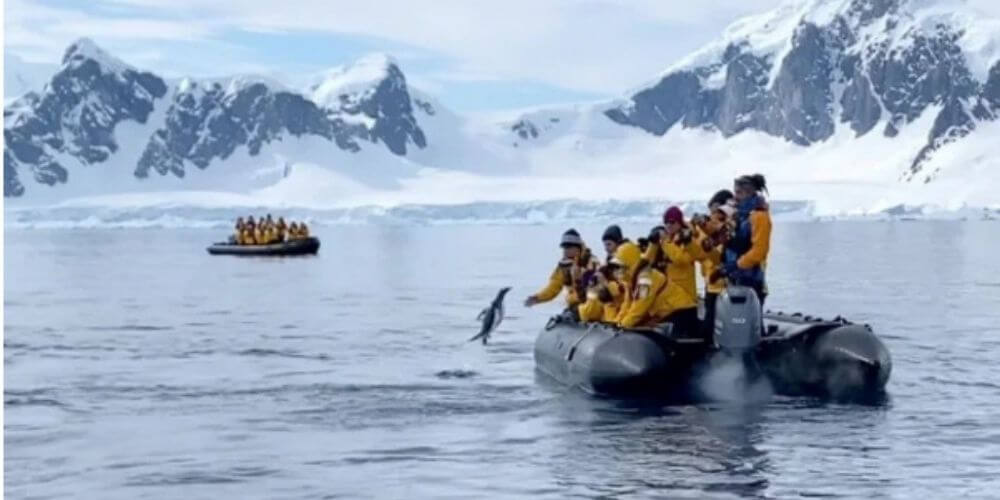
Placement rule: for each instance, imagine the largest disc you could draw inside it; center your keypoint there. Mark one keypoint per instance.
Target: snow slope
(861, 165)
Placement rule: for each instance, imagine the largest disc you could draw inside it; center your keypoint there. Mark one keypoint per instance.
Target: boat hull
(798, 356)
(305, 246)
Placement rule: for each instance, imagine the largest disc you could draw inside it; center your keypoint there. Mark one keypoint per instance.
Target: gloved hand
(530, 301)
(683, 237)
(654, 236)
(708, 244)
(732, 270)
(716, 275)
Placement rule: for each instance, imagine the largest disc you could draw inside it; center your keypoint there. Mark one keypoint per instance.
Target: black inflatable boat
(798, 356)
(304, 246)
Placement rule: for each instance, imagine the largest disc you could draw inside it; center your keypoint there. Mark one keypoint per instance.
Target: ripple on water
(450, 374)
(129, 328)
(257, 352)
(200, 476)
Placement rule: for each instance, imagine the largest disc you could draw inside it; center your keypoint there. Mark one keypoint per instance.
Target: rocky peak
(75, 115)
(810, 66)
(203, 121)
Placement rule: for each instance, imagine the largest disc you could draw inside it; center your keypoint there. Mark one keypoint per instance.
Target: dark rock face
(825, 68)
(205, 124)
(801, 98)
(525, 129)
(77, 113)
(390, 107)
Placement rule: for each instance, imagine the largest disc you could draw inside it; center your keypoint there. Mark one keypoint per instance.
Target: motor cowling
(738, 319)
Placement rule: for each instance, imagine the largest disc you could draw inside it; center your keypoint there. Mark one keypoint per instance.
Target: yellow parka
(760, 226)
(644, 303)
(682, 285)
(642, 288)
(605, 311)
(568, 274)
(710, 261)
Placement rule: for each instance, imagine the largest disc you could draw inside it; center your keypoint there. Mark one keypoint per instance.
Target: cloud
(586, 45)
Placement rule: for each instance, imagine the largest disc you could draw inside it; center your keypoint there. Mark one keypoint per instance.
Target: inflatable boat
(798, 355)
(304, 246)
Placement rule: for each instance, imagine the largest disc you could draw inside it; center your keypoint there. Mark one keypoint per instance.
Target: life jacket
(740, 243)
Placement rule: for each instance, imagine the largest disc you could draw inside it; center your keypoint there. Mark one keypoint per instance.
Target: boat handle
(572, 348)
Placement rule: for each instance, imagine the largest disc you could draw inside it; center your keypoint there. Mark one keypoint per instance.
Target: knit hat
(571, 238)
(613, 233)
(673, 214)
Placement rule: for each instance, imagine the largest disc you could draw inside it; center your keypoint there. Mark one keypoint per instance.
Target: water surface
(139, 366)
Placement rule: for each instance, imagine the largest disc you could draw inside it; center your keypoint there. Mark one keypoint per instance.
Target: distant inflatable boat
(304, 246)
(798, 355)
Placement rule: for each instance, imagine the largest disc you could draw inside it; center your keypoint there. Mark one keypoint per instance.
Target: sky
(474, 55)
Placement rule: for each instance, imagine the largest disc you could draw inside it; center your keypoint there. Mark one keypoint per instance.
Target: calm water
(138, 366)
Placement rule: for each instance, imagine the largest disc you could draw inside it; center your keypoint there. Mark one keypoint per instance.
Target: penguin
(491, 316)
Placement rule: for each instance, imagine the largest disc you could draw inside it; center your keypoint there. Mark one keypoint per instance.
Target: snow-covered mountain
(811, 67)
(854, 104)
(99, 116)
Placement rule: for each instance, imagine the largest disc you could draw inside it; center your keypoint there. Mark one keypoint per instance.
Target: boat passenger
(605, 293)
(259, 237)
(643, 289)
(612, 238)
(303, 231)
(571, 273)
(746, 252)
(282, 229)
(248, 234)
(677, 248)
(237, 232)
(711, 234)
(293, 231)
(652, 254)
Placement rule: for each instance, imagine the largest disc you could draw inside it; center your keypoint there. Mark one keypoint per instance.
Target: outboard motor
(733, 373)
(738, 320)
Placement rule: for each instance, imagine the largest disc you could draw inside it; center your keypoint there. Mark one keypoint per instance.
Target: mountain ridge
(807, 73)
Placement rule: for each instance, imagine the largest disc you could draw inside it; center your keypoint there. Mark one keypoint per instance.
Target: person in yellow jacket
(282, 229)
(237, 231)
(605, 294)
(571, 273)
(643, 303)
(677, 247)
(248, 234)
(303, 230)
(259, 235)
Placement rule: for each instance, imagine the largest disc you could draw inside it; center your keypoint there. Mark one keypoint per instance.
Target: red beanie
(673, 214)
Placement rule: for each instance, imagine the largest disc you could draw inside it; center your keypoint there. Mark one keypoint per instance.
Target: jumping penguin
(491, 316)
